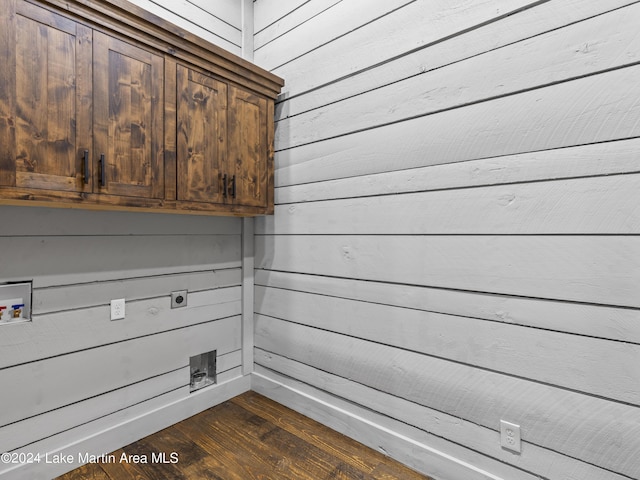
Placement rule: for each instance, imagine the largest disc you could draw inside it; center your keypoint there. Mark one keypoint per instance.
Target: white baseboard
(352, 421)
(143, 420)
(342, 416)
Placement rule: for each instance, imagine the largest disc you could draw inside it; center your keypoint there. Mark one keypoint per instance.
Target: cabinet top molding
(148, 28)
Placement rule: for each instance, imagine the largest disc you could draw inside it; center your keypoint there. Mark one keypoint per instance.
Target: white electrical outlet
(117, 309)
(510, 436)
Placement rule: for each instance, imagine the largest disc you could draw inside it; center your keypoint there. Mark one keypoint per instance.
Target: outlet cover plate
(117, 309)
(510, 436)
(179, 299)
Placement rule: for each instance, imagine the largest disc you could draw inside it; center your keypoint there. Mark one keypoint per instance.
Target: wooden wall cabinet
(128, 118)
(249, 116)
(45, 99)
(106, 106)
(202, 137)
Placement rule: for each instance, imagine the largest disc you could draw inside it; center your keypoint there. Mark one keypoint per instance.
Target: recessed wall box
(202, 370)
(15, 302)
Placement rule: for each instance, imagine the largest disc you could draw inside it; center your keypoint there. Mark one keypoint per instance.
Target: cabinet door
(249, 147)
(45, 99)
(128, 123)
(202, 137)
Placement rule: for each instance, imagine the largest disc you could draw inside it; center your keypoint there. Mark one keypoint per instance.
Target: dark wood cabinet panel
(202, 137)
(105, 106)
(248, 147)
(128, 121)
(45, 97)
(222, 143)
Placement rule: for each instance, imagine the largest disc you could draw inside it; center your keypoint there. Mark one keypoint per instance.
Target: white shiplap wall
(217, 21)
(72, 381)
(455, 239)
(75, 382)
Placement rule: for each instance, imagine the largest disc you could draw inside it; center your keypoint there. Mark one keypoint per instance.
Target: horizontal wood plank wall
(74, 380)
(219, 21)
(456, 237)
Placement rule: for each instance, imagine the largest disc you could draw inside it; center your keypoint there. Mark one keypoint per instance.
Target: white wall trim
(247, 30)
(350, 422)
(248, 294)
(130, 430)
(248, 224)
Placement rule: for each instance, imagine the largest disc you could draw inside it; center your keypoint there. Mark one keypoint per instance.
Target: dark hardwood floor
(248, 437)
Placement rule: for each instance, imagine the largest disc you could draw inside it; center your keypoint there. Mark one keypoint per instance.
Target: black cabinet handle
(85, 157)
(103, 171)
(224, 185)
(233, 187)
